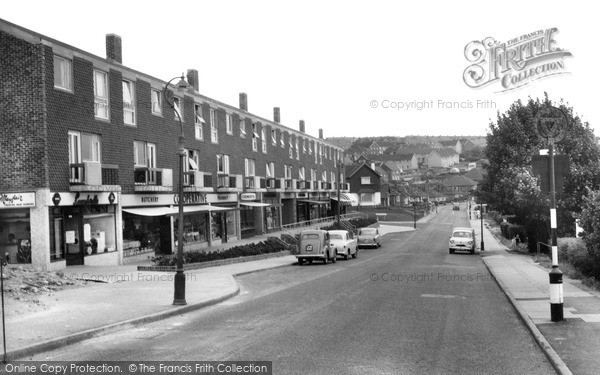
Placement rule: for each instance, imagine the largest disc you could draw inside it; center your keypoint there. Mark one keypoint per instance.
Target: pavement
(571, 345)
(121, 297)
(125, 297)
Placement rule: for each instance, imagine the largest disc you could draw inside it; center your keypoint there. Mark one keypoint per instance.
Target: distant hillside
(343, 142)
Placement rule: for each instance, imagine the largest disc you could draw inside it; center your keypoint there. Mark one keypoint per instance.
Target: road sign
(551, 123)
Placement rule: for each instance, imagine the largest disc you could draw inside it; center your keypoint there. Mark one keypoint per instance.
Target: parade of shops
(89, 161)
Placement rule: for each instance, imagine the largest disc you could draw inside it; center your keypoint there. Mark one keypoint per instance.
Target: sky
(354, 69)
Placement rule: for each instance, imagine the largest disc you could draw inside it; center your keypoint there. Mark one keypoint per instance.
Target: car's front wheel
(451, 251)
(355, 253)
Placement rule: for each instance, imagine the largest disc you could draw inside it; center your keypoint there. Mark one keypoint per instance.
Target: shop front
(83, 228)
(224, 221)
(312, 207)
(15, 227)
(147, 228)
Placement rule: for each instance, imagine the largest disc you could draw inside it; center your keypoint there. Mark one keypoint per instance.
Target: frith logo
(515, 63)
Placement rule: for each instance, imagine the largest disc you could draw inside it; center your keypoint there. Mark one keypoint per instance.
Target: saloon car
(343, 243)
(314, 245)
(368, 237)
(462, 239)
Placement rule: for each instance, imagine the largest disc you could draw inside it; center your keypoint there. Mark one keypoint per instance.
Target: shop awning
(254, 204)
(313, 201)
(161, 211)
(148, 211)
(345, 198)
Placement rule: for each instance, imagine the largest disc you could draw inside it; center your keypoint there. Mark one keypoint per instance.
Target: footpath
(124, 297)
(572, 345)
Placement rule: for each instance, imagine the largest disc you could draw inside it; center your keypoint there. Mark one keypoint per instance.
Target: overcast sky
(335, 64)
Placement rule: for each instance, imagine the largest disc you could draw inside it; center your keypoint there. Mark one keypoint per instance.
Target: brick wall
(33, 111)
(23, 156)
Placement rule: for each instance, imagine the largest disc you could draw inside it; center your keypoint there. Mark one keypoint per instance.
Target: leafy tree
(590, 222)
(510, 187)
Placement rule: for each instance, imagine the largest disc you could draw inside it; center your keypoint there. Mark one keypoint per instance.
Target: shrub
(574, 251)
(271, 245)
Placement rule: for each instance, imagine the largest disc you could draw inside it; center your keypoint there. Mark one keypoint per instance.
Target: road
(408, 307)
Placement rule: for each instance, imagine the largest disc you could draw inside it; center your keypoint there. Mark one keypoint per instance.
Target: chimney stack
(276, 115)
(320, 133)
(243, 101)
(302, 127)
(114, 48)
(192, 78)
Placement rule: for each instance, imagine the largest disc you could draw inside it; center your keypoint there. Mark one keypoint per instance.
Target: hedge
(271, 245)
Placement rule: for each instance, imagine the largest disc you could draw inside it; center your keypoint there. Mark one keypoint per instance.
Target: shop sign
(248, 196)
(190, 198)
(79, 199)
(302, 195)
(17, 200)
(129, 200)
(220, 198)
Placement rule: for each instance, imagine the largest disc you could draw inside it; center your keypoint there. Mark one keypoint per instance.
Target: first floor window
(249, 167)
(301, 174)
(288, 172)
(270, 170)
(223, 164)
(365, 180)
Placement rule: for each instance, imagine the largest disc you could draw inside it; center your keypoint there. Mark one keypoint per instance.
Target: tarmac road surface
(406, 308)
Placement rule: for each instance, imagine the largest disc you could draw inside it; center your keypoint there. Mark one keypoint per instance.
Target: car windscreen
(367, 231)
(462, 234)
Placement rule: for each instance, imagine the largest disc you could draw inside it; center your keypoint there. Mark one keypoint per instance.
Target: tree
(590, 222)
(510, 187)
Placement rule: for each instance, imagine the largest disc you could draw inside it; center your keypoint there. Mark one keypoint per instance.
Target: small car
(462, 239)
(314, 245)
(343, 243)
(368, 237)
(455, 206)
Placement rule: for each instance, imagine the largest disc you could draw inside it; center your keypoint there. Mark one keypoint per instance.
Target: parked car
(462, 239)
(455, 206)
(368, 237)
(343, 243)
(314, 245)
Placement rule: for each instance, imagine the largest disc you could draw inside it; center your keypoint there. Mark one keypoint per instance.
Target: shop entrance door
(73, 229)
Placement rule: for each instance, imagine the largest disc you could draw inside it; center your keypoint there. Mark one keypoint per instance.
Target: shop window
(15, 235)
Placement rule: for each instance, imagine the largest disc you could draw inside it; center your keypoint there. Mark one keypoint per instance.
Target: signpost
(551, 123)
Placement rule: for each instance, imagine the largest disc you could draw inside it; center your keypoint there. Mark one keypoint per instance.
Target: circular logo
(551, 123)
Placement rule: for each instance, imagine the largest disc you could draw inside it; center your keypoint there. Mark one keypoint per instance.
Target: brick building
(89, 160)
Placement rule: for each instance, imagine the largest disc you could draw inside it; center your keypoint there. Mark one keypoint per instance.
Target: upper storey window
(63, 73)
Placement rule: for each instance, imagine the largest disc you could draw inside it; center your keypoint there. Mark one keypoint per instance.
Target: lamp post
(339, 198)
(415, 214)
(481, 216)
(179, 294)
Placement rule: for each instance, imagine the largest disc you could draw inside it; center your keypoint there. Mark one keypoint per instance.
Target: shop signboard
(17, 200)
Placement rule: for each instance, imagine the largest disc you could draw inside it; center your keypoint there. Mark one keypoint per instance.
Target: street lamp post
(415, 214)
(179, 294)
(339, 198)
(481, 216)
